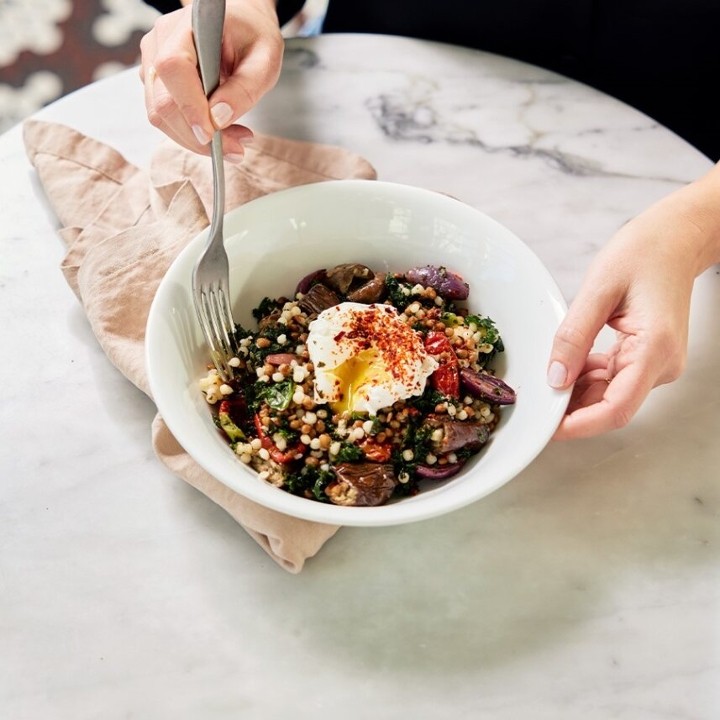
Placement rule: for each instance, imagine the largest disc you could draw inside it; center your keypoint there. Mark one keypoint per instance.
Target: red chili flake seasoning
(400, 346)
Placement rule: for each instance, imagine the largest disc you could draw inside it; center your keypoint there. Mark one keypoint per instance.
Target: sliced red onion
(309, 280)
(487, 387)
(438, 472)
(448, 284)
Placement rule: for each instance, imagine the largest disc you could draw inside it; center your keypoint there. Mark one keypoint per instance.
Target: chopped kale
(266, 307)
(348, 453)
(240, 333)
(426, 402)
(376, 424)
(309, 481)
(270, 333)
(285, 431)
(417, 439)
(486, 328)
(398, 292)
(489, 334)
(406, 489)
(324, 478)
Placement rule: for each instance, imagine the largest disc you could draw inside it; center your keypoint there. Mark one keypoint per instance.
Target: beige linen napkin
(124, 226)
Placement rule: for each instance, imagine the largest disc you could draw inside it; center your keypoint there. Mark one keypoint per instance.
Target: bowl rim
(405, 510)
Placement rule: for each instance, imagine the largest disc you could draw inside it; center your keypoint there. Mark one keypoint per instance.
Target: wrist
(704, 212)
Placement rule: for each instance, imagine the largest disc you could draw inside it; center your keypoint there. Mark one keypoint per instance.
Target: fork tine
(227, 324)
(218, 327)
(221, 320)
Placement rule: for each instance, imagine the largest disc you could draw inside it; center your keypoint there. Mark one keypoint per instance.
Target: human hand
(252, 50)
(640, 285)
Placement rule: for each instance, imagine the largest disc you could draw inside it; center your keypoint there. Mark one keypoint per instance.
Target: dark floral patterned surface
(49, 48)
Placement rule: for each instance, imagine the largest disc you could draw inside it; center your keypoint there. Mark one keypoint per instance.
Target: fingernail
(557, 374)
(200, 135)
(234, 158)
(221, 114)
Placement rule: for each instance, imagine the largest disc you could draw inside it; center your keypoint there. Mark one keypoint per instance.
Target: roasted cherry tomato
(279, 456)
(380, 452)
(446, 379)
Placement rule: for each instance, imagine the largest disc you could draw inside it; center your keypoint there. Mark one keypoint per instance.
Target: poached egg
(366, 358)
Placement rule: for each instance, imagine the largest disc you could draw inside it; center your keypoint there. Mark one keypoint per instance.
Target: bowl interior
(274, 241)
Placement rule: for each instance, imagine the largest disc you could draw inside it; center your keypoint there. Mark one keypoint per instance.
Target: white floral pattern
(120, 19)
(51, 47)
(17, 103)
(30, 25)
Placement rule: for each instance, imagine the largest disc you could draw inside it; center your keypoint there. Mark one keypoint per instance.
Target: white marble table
(588, 587)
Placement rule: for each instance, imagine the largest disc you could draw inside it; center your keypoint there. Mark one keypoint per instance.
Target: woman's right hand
(252, 51)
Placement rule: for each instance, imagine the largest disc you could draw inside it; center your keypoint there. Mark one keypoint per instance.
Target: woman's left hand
(640, 285)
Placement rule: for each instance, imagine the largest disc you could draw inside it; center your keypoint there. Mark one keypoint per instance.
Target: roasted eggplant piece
(343, 277)
(362, 484)
(371, 292)
(457, 434)
(318, 298)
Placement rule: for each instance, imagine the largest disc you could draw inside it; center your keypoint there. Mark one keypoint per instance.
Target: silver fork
(211, 275)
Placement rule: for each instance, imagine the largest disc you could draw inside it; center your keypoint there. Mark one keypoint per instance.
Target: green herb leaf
(276, 395)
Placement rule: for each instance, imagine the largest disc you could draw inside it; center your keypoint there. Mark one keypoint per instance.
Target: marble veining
(588, 587)
(419, 123)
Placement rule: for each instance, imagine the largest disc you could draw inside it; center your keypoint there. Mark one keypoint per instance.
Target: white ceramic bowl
(274, 241)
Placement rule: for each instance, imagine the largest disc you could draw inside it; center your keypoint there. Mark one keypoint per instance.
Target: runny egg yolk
(366, 358)
(357, 373)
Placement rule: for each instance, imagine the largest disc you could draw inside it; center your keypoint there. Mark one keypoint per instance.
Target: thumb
(575, 337)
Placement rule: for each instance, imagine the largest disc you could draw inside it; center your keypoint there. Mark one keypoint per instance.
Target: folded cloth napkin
(123, 226)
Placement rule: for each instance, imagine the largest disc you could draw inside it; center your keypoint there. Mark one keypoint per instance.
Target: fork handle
(208, 17)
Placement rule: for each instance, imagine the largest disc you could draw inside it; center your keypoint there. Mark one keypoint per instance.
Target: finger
(157, 102)
(621, 399)
(179, 104)
(236, 139)
(576, 335)
(589, 393)
(595, 361)
(253, 76)
(146, 44)
(164, 115)
(588, 389)
(179, 76)
(175, 125)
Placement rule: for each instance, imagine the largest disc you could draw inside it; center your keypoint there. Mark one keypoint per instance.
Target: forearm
(682, 230)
